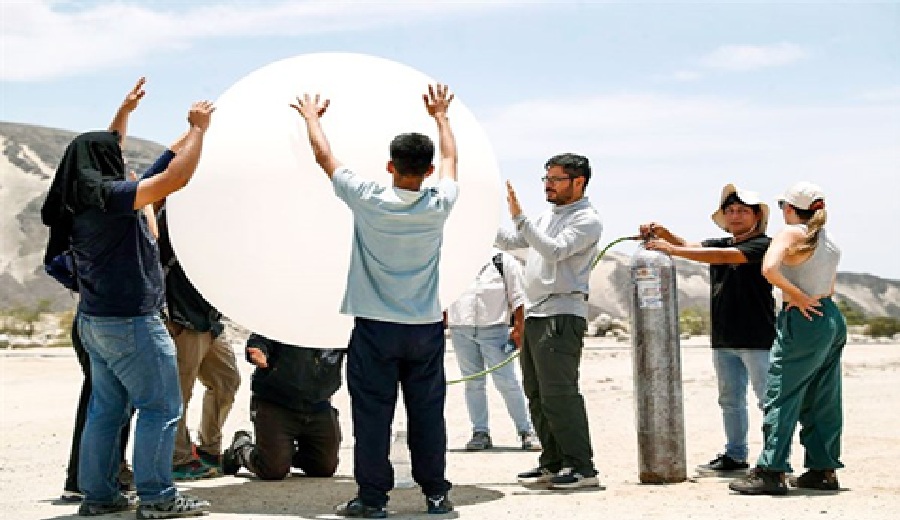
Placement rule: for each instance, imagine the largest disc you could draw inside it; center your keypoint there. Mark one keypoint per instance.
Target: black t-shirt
(742, 308)
(116, 258)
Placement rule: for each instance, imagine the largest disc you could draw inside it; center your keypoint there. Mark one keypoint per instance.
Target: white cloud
(750, 57)
(47, 39)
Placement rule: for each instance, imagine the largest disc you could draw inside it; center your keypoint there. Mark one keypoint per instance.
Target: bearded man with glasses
(562, 244)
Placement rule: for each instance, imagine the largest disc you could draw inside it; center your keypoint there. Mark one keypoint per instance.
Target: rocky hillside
(29, 158)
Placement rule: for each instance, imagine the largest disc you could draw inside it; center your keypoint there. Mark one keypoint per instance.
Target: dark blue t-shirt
(116, 257)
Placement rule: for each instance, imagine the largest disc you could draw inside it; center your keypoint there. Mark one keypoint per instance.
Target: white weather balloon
(259, 230)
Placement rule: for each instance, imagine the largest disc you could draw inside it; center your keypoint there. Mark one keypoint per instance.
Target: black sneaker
(760, 482)
(438, 504)
(822, 479)
(723, 464)
(480, 441)
(356, 509)
(122, 503)
(231, 460)
(535, 476)
(178, 507)
(568, 478)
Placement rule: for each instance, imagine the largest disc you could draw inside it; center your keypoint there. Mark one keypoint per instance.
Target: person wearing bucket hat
(804, 382)
(742, 311)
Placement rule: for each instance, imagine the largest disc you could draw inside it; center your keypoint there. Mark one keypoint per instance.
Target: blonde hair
(815, 221)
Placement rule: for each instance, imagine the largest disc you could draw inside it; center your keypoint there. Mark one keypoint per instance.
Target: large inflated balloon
(259, 230)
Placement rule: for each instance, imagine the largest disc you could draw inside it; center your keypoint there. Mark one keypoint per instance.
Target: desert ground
(39, 389)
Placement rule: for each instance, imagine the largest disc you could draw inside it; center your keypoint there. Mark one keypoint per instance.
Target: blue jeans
(734, 368)
(480, 348)
(133, 360)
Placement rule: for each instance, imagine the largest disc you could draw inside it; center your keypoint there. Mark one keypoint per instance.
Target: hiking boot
(723, 464)
(178, 506)
(126, 477)
(121, 503)
(71, 497)
(231, 457)
(356, 509)
(568, 478)
(480, 441)
(530, 441)
(438, 504)
(760, 482)
(822, 479)
(535, 476)
(193, 470)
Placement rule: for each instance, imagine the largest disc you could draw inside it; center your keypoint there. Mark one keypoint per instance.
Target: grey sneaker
(231, 457)
(179, 506)
(568, 478)
(122, 503)
(480, 441)
(530, 441)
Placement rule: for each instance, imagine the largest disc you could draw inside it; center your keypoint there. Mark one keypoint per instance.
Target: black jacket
(299, 378)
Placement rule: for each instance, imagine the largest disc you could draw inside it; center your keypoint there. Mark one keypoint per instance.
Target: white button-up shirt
(490, 299)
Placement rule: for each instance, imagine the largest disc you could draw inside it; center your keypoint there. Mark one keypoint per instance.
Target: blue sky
(670, 100)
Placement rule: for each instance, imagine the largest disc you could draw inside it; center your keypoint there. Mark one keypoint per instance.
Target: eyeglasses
(554, 180)
(737, 210)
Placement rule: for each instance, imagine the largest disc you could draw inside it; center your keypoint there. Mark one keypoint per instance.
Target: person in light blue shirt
(392, 291)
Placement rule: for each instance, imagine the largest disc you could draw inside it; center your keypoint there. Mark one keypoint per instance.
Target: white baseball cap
(802, 195)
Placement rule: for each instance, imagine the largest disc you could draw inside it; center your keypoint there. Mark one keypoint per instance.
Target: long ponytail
(814, 218)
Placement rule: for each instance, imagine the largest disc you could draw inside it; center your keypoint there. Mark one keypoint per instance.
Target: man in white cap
(742, 310)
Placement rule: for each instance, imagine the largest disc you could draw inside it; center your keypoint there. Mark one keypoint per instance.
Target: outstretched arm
(182, 167)
(312, 109)
(437, 101)
(119, 123)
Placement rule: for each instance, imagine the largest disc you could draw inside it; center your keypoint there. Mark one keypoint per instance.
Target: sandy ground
(39, 389)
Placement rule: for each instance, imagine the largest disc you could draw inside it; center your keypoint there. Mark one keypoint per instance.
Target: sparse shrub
(882, 326)
(694, 321)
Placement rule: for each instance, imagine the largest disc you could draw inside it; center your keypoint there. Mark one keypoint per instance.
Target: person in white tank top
(804, 380)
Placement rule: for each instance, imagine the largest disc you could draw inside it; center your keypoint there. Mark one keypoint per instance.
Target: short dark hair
(412, 153)
(573, 164)
(733, 198)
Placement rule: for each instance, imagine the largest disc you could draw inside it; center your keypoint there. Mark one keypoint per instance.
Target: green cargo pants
(804, 384)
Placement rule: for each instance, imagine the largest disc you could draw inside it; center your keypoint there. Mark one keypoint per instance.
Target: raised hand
(311, 107)
(515, 209)
(135, 95)
(200, 114)
(437, 99)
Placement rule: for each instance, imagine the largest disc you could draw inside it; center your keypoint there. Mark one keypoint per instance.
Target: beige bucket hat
(750, 198)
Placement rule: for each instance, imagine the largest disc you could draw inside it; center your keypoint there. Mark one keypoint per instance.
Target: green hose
(515, 354)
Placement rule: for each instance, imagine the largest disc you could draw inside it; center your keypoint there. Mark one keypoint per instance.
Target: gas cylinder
(656, 356)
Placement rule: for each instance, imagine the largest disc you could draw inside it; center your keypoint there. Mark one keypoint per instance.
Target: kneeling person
(295, 424)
